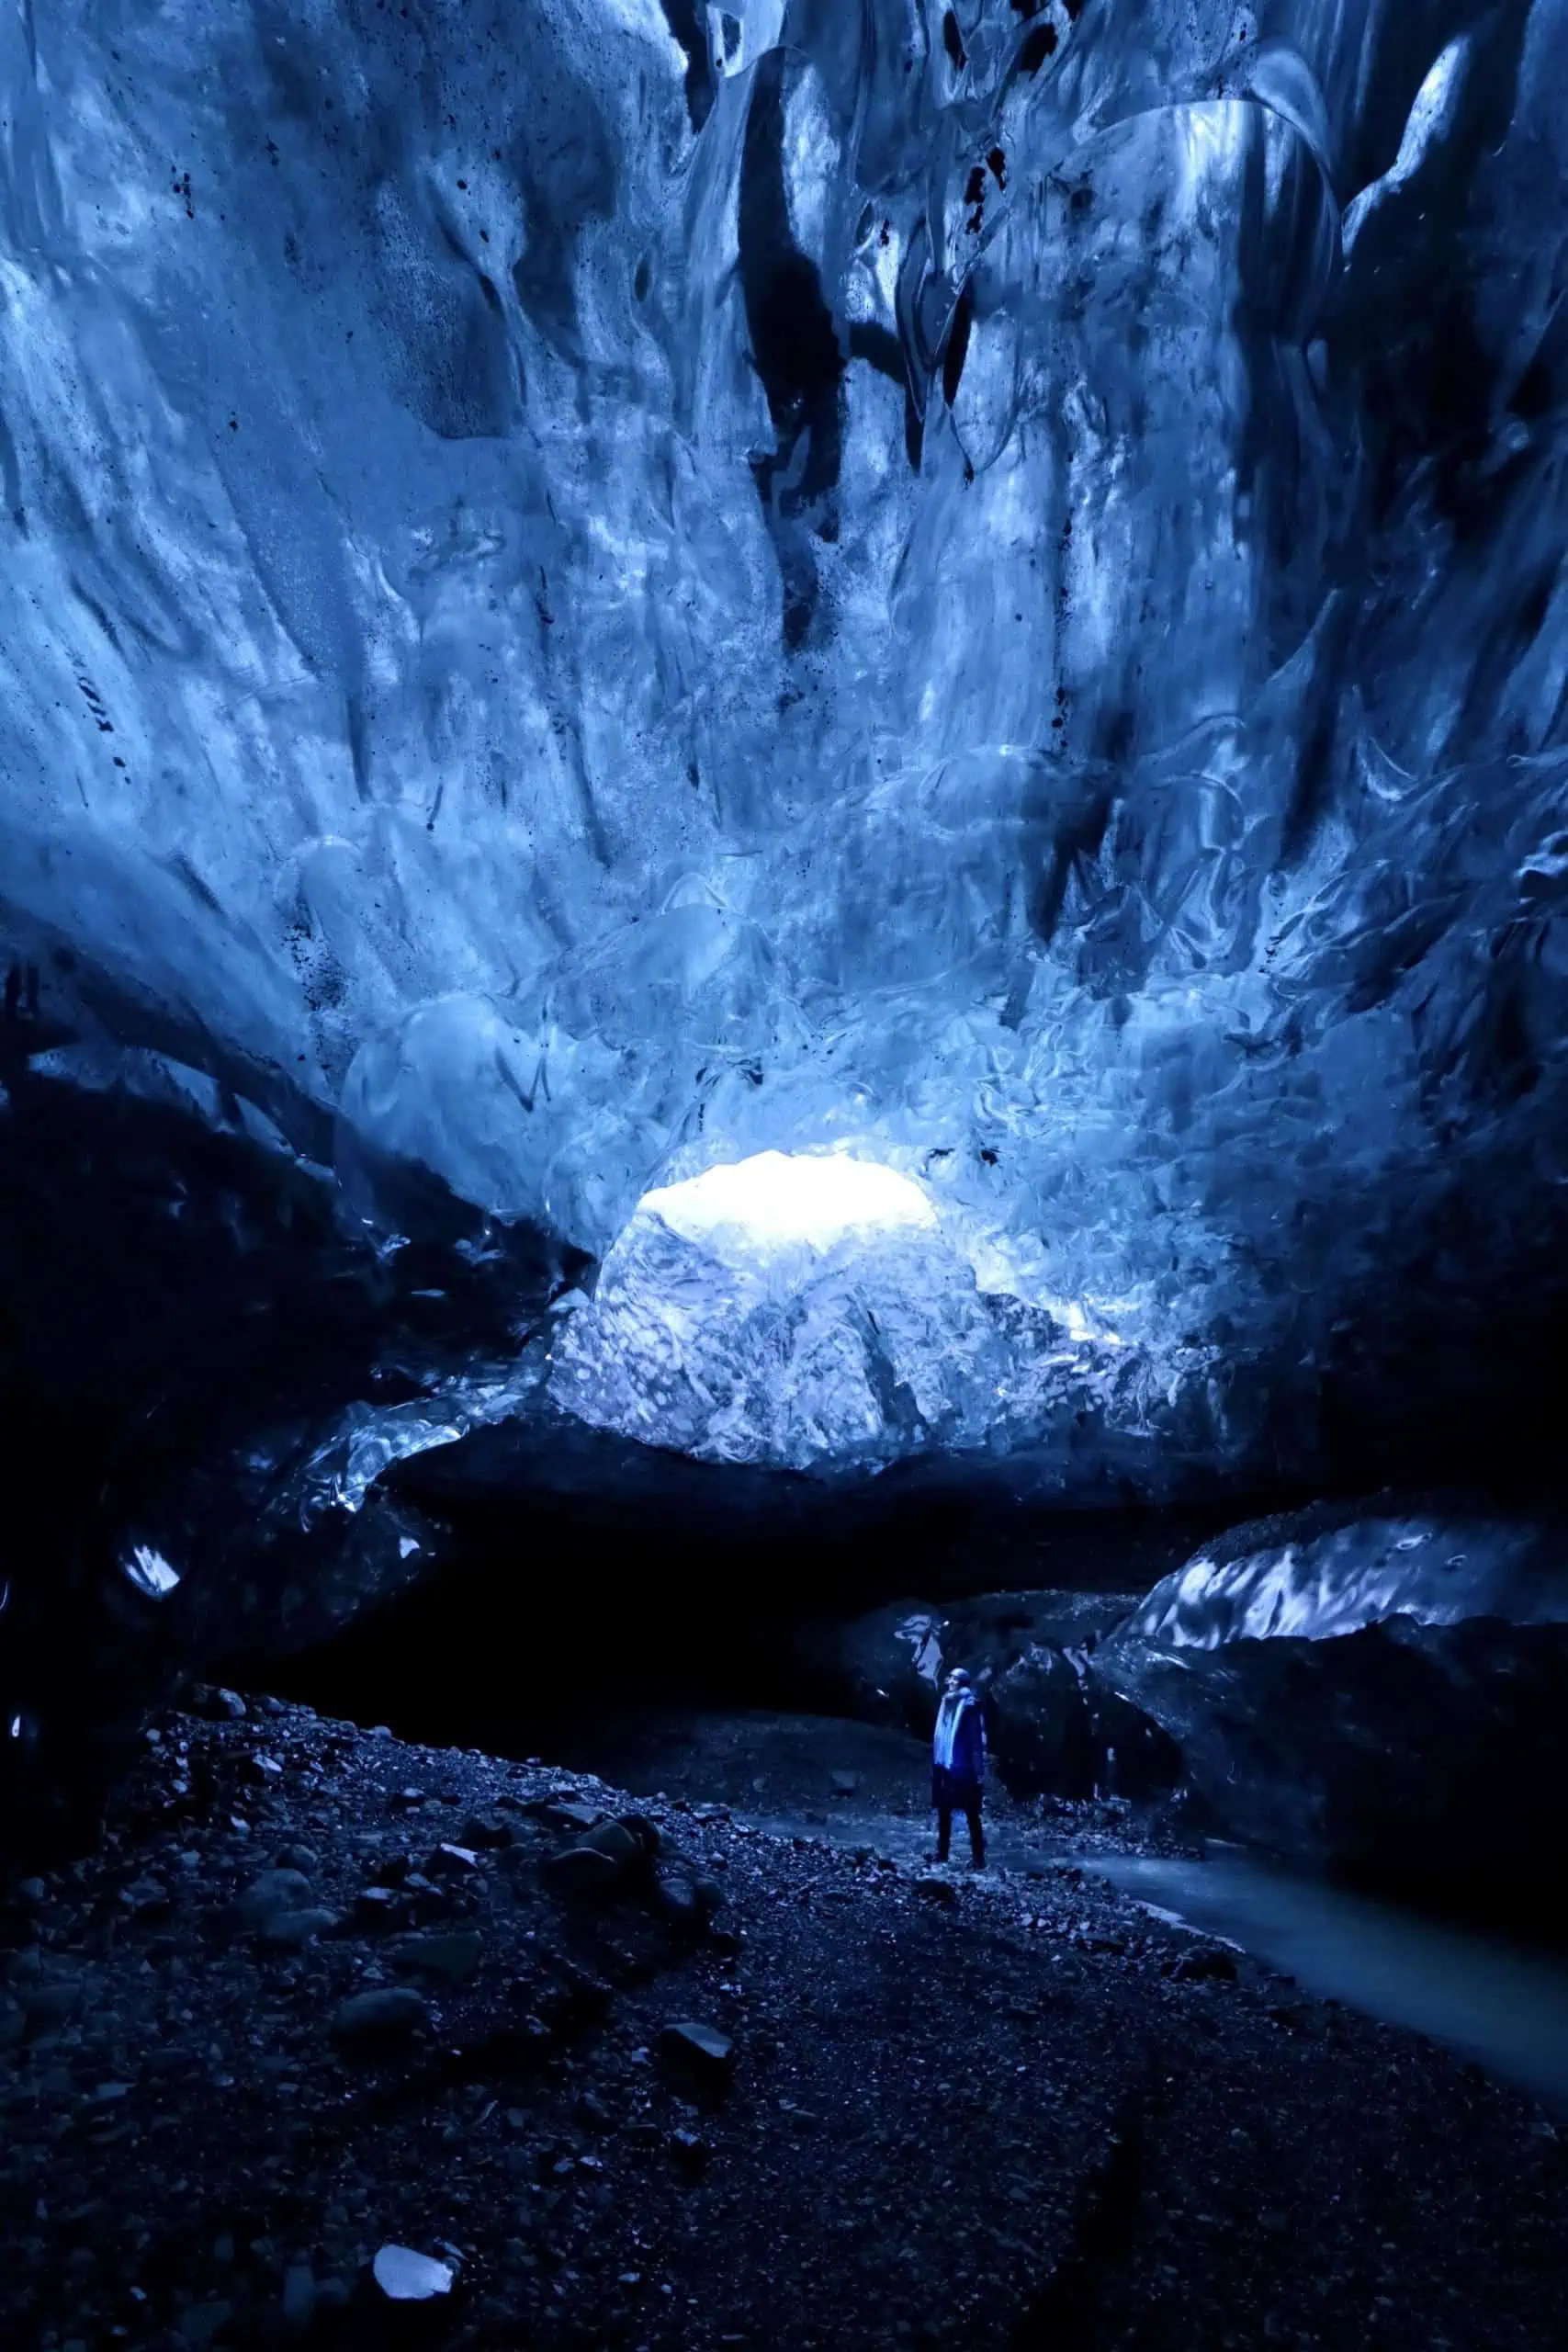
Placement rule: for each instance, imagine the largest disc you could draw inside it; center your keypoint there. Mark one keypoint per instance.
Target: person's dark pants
(955, 1792)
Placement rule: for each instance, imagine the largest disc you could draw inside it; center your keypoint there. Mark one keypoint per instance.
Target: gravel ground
(919, 2108)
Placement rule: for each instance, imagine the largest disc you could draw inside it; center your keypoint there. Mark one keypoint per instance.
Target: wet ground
(852, 1785)
(1482, 1995)
(857, 1785)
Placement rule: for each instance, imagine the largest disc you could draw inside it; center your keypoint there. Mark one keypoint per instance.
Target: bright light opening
(781, 1199)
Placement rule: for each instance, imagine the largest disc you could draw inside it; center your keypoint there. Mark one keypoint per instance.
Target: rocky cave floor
(318, 1991)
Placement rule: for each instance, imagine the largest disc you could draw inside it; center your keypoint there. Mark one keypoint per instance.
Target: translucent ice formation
(1324, 1574)
(596, 591)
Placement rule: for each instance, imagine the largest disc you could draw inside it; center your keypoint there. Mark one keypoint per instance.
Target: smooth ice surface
(595, 589)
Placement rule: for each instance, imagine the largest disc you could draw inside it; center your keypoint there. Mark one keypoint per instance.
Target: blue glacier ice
(594, 590)
(1320, 1574)
(808, 1310)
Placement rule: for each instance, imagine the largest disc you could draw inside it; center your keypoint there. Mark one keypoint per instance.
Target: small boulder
(387, 2014)
(200, 2323)
(289, 1930)
(47, 2006)
(562, 1814)
(216, 1705)
(698, 2052)
(583, 1874)
(146, 1898)
(279, 1889)
(937, 1890)
(454, 1955)
(452, 1861)
(380, 1907)
(271, 1896)
(480, 1833)
(675, 1898)
(627, 1843)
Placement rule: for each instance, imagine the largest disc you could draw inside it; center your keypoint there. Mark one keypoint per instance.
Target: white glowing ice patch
(150, 1571)
(405, 2277)
(781, 1200)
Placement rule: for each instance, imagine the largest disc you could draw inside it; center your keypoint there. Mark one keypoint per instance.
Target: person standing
(958, 1767)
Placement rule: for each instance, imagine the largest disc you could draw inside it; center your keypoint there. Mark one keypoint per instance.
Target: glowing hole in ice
(779, 1200)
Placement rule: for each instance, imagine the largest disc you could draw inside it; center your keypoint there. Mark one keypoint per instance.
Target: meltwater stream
(1503, 2007)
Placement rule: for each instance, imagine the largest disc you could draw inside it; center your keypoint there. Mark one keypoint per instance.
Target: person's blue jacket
(958, 1745)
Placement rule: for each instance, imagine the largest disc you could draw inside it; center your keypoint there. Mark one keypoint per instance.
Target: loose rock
(389, 2014)
(696, 2049)
(454, 1956)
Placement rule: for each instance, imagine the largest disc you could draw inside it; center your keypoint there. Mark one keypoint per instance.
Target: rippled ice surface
(594, 592)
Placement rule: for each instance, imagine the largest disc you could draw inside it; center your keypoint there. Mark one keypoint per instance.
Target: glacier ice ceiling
(595, 589)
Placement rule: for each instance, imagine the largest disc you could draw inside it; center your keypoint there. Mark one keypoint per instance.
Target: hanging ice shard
(597, 589)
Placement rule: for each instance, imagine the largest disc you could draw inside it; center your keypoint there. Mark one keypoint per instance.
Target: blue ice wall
(592, 587)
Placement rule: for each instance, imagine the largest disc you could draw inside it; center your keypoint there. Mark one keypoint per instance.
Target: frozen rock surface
(980, 588)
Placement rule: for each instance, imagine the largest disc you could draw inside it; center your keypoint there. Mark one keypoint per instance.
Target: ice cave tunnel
(619, 600)
(784, 900)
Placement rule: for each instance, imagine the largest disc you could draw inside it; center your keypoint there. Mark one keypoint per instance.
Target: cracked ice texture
(592, 588)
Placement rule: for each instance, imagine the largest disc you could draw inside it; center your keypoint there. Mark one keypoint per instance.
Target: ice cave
(783, 905)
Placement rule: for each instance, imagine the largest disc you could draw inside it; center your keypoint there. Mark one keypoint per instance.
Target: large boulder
(1041, 1724)
(883, 1667)
(1380, 1689)
(1056, 1728)
(1427, 1759)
